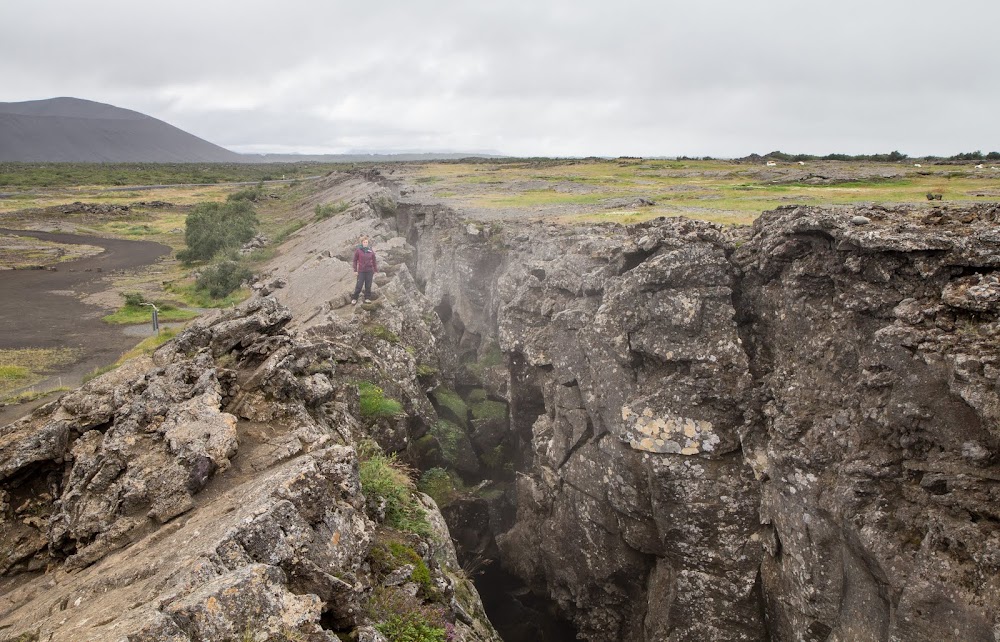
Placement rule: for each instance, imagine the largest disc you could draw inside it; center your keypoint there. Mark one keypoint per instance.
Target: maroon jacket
(364, 261)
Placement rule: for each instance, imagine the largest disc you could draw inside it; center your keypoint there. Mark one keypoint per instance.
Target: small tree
(223, 278)
(213, 227)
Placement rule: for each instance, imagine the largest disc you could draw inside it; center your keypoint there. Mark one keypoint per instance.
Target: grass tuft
(327, 210)
(384, 479)
(135, 315)
(374, 403)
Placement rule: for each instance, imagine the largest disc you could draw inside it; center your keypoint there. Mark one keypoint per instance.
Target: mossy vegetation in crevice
(425, 371)
(488, 409)
(457, 451)
(448, 399)
(402, 617)
(379, 331)
(415, 611)
(442, 485)
(490, 357)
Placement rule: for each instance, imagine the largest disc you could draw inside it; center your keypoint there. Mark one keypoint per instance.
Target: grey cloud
(721, 77)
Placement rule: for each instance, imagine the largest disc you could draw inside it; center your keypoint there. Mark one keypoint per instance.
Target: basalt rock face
(628, 389)
(787, 432)
(876, 351)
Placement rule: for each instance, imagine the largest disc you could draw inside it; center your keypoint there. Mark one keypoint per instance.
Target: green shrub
(214, 227)
(133, 299)
(252, 194)
(374, 404)
(384, 478)
(384, 205)
(223, 278)
(327, 210)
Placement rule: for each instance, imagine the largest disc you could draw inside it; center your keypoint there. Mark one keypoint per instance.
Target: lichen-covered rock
(241, 562)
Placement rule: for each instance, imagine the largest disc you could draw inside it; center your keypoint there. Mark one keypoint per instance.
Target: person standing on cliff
(365, 265)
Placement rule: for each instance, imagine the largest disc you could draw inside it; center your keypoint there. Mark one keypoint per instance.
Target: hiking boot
(354, 301)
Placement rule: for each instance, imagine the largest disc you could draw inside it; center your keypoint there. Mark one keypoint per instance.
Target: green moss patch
(489, 410)
(456, 448)
(449, 400)
(381, 332)
(442, 485)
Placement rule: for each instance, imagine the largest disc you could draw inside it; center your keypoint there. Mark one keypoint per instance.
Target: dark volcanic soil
(42, 308)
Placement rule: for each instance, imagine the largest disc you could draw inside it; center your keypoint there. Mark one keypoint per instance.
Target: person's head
(364, 241)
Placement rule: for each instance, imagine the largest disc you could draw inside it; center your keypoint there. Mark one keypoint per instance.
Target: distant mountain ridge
(68, 130)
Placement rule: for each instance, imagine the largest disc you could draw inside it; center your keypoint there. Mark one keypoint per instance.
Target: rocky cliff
(672, 430)
(787, 432)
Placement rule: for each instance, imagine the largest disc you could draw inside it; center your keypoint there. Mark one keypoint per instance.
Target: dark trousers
(364, 279)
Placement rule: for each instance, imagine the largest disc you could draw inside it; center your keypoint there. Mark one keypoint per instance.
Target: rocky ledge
(215, 492)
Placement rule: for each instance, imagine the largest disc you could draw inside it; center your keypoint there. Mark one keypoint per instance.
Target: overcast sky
(541, 77)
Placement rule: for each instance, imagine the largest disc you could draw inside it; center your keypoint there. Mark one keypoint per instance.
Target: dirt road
(42, 308)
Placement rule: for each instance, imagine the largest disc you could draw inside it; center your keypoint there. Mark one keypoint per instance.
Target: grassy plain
(625, 190)
(721, 191)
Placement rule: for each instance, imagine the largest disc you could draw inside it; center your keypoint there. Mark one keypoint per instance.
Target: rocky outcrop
(627, 387)
(787, 432)
(214, 491)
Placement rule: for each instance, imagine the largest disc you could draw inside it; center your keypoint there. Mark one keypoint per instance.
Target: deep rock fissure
(806, 349)
(519, 611)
